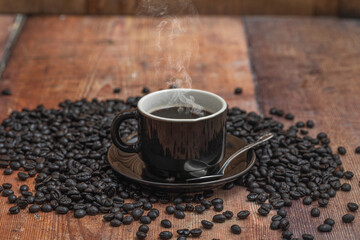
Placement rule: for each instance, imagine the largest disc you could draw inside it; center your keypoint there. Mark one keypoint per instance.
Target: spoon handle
(264, 138)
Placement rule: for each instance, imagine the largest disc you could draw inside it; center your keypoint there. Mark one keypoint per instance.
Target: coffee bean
(179, 214)
(284, 224)
(196, 232)
(152, 215)
(6, 92)
(145, 90)
(206, 203)
(275, 225)
(165, 235)
(323, 202)
(273, 111)
(109, 217)
(307, 200)
(228, 214)
(243, 214)
(264, 210)
(310, 124)
(24, 188)
(183, 232)
(7, 192)
(348, 218)
(120, 216)
(206, 224)
(199, 209)
(92, 211)
(300, 124)
(143, 228)
(145, 220)
(289, 116)
(79, 213)
(61, 210)
(280, 113)
(14, 210)
(235, 229)
(181, 238)
(329, 221)
(137, 213)
(189, 207)
(219, 218)
(34, 208)
(218, 207)
(357, 150)
(341, 150)
(324, 228)
(115, 223)
(8, 171)
(117, 90)
(217, 201)
(23, 176)
(7, 185)
(306, 236)
(140, 235)
(352, 206)
(166, 223)
(346, 187)
(276, 218)
(282, 213)
(348, 175)
(128, 220)
(238, 90)
(12, 198)
(46, 208)
(287, 234)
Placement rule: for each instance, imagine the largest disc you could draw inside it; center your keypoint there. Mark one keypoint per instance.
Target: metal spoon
(221, 172)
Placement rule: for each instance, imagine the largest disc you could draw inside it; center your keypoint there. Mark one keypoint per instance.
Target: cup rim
(149, 115)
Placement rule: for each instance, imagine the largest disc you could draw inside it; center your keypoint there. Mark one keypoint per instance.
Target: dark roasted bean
(61, 210)
(238, 90)
(315, 212)
(46, 208)
(287, 234)
(243, 214)
(235, 229)
(329, 221)
(352, 206)
(8, 171)
(145, 220)
(183, 232)
(115, 223)
(348, 218)
(228, 214)
(165, 235)
(275, 225)
(179, 214)
(14, 210)
(307, 200)
(289, 116)
(140, 235)
(206, 224)
(116, 90)
(79, 213)
(219, 218)
(324, 228)
(128, 220)
(166, 223)
(143, 228)
(218, 207)
(348, 175)
(341, 150)
(196, 232)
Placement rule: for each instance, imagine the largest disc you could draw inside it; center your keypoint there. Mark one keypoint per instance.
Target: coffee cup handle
(116, 139)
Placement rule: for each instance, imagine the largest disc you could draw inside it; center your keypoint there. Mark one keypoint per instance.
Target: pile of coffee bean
(65, 150)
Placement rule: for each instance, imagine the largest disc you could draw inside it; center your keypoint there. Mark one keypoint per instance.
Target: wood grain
(311, 68)
(346, 8)
(75, 57)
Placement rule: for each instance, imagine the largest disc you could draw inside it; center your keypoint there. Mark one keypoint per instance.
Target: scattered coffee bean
(117, 90)
(46, 208)
(235, 229)
(179, 214)
(145, 90)
(282, 213)
(264, 210)
(348, 218)
(143, 228)
(128, 220)
(199, 209)
(166, 223)
(348, 175)
(92, 211)
(287, 234)
(7, 185)
(165, 235)
(206, 224)
(6, 92)
(238, 90)
(12, 198)
(180, 207)
(115, 223)
(310, 124)
(346, 187)
(219, 218)
(61, 210)
(300, 124)
(79, 213)
(23, 176)
(24, 188)
(196, 232)
(357, 150)
(307, 200)
(181, 238)
(352, 206)
(306, 236)
(341, 150)
(276, 218)
(324, 228)
(183, 232)
(243, 214)
(140, 235)
(273, 111)
(289, 116)
(218, 207)
(34, 208)
(137, 213)
(329, 221)
(228, 214)
(14, 210)
(275, 225)
(8, 171)
(145, 219)
(7, 192)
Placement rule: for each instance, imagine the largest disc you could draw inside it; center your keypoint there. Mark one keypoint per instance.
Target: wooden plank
(78, 57)
(349, 8)
(310, 67)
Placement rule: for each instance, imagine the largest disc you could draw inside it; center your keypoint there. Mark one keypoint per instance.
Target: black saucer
(131, 166)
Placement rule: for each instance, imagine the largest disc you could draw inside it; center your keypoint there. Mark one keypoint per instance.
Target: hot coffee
(179, 112)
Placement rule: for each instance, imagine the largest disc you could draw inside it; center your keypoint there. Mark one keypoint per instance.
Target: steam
(174, 23)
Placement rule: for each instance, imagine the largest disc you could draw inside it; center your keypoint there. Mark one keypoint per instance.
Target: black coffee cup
(177, 148)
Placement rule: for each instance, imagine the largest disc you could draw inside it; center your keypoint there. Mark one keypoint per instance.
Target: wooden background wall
(341, 8)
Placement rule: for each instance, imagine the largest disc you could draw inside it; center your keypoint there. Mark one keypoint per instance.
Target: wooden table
(309, 67)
